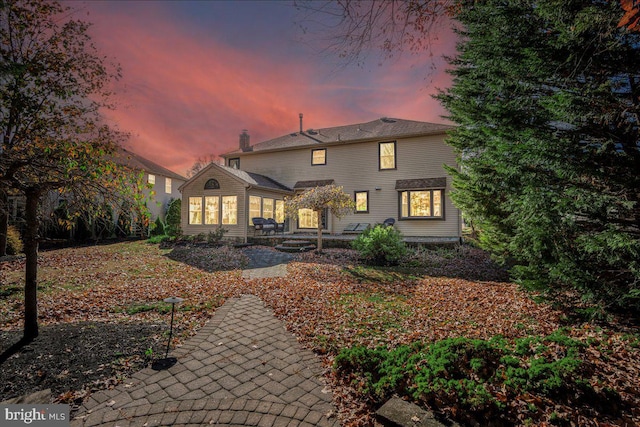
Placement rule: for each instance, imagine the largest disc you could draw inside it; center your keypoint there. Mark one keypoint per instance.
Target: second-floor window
(151, 179)
(319, 157)
(234, 163)
(387, 152)
(167, 185)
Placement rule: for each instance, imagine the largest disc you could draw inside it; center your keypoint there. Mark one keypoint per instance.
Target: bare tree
(354, 29)
(201, 163)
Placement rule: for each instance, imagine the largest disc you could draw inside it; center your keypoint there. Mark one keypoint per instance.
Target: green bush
(14, 242)
(159, 239)
(214, 237)
(172, 226)
(158, 228)
(380, 245)
(462, 372)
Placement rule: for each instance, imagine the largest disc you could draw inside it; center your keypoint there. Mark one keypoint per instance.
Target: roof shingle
(377, 129)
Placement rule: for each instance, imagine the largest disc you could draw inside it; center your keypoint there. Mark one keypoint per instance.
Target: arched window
(212, 184)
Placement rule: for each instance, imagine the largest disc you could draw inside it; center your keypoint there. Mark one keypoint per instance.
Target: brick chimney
(244, 141)
(300, 115)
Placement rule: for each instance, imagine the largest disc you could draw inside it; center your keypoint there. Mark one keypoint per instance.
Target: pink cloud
(182, 96)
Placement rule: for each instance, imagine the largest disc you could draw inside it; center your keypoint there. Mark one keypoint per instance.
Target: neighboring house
(164, 187)
(164, 183)
(393, 168)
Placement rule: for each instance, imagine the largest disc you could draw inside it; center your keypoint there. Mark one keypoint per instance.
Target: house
(392, 167)
(164, 183)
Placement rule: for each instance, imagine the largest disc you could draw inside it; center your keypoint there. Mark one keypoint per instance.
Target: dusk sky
(195, 74)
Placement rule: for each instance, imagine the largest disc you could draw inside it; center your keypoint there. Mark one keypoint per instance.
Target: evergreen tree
(546, 95)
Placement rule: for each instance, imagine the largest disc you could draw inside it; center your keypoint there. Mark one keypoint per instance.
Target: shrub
(158, 228)
(159, 239)
(214, 237)
(380, 245)
(172, 227)
(461, 373)
(14, 242)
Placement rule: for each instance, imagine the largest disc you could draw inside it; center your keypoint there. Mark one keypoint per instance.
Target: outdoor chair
(258, 225)
(389, 222)
(271, 224)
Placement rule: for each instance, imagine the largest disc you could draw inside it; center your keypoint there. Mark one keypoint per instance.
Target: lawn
(445, 329)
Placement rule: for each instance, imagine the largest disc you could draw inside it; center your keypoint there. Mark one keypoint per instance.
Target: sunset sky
(195, 74)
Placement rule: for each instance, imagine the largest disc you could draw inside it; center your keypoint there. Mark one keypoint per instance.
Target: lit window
(195, 210)
(319, 156)
(387, 155)
(211, 209)
(362, 201)
(229, 210)
(307, 218)
(234, 163)
(279, 210)
(421, 204)
(167, 185)
(151, 179)
(255, 203)
(267, 208)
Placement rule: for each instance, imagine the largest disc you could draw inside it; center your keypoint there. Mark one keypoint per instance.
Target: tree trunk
(4, 222)
(319, 248)
(31, 262)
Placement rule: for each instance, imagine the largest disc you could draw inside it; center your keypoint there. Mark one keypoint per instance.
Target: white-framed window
(267, 208)
(229, 210)
(151, 179)
(211, 210)
(255, 208)
(387, 155)
(362, 201)
(167, 185)
(307, 218)
(421, 204)
(195, 210)
(279, 211)
(318, 156)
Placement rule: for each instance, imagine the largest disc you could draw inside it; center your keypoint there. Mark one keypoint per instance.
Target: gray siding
(228, 187)
(159, 201)
(355, 167)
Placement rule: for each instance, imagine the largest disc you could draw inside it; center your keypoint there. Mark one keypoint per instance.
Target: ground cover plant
(429, 330)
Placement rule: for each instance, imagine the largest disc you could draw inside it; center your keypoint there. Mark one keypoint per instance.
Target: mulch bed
(74, 359)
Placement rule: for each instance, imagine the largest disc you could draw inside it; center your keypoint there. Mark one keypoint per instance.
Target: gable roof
(135, 161)
(375, 130)
(248, 178)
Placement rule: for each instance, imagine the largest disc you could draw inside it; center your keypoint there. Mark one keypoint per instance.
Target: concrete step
(295, 249)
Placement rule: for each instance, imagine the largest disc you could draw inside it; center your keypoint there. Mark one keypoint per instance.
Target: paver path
(241, 369)
(266, 262)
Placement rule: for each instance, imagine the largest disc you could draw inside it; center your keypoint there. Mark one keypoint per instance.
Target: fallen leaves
(328, 301)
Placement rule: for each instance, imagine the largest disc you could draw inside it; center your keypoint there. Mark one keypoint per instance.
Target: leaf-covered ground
(330, 302)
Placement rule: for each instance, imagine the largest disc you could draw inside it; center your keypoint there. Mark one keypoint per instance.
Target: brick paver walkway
(242, 369)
